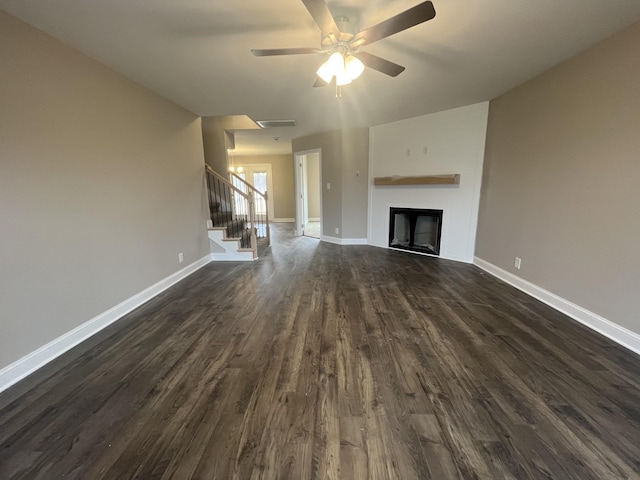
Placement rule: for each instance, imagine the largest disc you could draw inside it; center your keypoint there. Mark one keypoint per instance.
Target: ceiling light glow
(342, 78)
(325, 72)
(344, 70)
(354, 67)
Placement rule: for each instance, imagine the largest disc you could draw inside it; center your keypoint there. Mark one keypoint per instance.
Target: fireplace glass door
(415, 229)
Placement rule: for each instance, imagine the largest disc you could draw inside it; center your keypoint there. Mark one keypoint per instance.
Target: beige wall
(216, 141)
(101, 186)
(218, 138)
(345, 160)
(561, 180)
(283, 191)
(355, 182)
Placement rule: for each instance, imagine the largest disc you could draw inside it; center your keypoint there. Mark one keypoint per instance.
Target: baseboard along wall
(31, 362)
(609, 329)
(344, 241)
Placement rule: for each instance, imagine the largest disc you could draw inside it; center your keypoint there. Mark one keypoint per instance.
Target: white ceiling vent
(276, 123)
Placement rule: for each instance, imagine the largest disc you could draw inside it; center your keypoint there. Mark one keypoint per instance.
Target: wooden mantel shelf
(449, 179)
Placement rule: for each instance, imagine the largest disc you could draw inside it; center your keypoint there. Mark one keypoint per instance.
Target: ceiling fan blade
(322, 16)
(319, 83)
(380, 64)
(269, 52)
(407, 19)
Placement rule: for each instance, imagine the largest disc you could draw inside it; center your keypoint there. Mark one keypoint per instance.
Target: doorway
(308, 177)
(260, 177)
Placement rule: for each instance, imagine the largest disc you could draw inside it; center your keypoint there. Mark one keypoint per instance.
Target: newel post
(252, 218)
(266, 216)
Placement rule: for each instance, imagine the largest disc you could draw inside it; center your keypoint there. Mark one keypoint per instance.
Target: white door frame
(305, 189)
(299, 168)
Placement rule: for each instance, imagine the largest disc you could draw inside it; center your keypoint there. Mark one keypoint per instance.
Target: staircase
(237, 229)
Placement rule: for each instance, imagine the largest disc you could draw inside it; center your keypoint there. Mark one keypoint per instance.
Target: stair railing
(233, 208)
(261, 205)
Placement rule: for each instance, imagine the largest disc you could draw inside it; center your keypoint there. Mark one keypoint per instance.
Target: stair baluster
(235, 210)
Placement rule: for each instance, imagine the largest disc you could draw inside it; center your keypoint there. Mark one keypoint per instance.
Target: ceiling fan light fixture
(343, 78)
(353, 67)
(344, 63)
(325, 72)
(336, 62)
(344, 70)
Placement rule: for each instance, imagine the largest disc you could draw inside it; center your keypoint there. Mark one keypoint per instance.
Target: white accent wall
(440, 143)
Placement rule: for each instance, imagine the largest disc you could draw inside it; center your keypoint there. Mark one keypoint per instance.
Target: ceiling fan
(346, 62)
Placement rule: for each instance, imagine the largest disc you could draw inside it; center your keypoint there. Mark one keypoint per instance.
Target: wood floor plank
(321, 361)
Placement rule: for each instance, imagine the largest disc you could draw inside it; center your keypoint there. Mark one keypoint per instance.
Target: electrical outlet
(328, 186)
(337, 231)
(180, 257)
(517, 263)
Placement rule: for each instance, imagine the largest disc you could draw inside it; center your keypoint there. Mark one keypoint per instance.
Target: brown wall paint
(561, 176)
(101, 186)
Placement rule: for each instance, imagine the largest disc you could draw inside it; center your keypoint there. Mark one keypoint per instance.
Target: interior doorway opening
(308, 181)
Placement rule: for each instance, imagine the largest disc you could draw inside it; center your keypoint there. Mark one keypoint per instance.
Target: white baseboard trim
(615, 332)
(313, 219)
(31, 362)
(283, 220)
(233, 257)
(344, 241)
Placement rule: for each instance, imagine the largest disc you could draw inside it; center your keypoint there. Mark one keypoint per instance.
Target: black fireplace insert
(415, 229)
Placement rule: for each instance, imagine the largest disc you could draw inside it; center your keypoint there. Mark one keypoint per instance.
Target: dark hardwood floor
(328, 362)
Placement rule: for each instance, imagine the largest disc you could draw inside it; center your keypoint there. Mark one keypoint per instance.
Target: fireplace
(415, 229)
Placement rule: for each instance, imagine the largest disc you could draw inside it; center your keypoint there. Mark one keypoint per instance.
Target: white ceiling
(197, 53)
